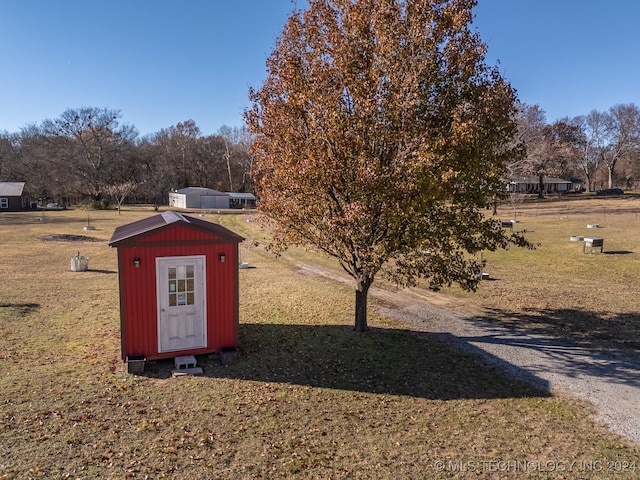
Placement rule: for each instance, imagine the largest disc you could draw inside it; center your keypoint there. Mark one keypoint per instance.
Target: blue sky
(568, 56)
(161, 62)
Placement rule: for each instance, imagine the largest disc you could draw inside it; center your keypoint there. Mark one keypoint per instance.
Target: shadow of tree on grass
(17, 309)
(586, 329)
(385, 361)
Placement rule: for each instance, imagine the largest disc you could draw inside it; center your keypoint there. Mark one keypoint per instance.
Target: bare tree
(589, 144)
(515, 200)
(210, 162)
(158, 168)
(622, 136)
(239, 160)
(181, 144)
(547, 148)
(244, 158)
(629, 171)
(120, 191)
(37, 162)
(90, 141)
(532, 124)
(9, 149)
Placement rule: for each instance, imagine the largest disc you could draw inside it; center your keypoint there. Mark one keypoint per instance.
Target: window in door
(181, 285)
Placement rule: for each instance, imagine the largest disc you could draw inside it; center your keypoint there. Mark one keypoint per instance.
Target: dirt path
(611, 382)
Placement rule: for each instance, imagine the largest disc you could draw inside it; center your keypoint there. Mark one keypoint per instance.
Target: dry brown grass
(308, 398)
(592, 299)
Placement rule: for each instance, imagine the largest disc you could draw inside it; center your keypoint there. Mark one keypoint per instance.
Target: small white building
(198, 197)
(531, 184)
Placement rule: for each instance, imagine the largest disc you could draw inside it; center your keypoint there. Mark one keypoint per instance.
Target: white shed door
(181, 303)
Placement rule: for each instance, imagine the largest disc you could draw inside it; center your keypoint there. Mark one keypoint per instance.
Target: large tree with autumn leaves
(381, 137)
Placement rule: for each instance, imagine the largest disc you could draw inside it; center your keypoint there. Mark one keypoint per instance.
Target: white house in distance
(531, 184)
(206, 198)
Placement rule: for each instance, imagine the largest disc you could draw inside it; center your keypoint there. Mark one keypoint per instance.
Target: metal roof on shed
(128, 232)
(241, 196)
(11, 189)
(199, 191)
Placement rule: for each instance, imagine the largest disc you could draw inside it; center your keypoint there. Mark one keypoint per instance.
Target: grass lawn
(590, 298)
(308, 398)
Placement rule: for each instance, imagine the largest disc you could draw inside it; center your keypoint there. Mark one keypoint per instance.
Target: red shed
(178, 280)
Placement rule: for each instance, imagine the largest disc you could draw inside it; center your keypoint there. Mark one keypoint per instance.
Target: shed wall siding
(12, 204)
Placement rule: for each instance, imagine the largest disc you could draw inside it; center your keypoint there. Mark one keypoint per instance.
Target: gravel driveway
(610, 382)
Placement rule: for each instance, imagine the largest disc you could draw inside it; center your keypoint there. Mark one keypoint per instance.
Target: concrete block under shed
(185, 362)
(185, 365)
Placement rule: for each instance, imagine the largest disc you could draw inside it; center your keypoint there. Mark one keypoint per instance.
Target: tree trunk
(540, 186)
(362, 291)
(227, 156)
(610, 175)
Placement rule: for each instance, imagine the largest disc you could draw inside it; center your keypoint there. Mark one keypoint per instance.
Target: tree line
(601, 148)
(89, 155)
